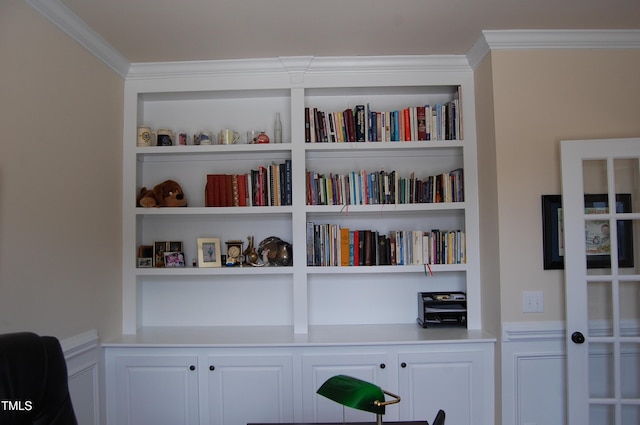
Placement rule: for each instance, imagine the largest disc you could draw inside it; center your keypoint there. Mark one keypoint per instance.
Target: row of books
(265, 186)
(331, 245)
(381, 187)
(442, 121)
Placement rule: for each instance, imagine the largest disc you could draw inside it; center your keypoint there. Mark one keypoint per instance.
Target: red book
(407, 124)
(213, 190)
(242, 190)
(208, 191)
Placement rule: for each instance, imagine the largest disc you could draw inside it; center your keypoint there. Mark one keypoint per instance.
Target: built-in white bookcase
(246, 95)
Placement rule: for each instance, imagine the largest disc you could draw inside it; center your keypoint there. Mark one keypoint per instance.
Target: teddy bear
(165, 194)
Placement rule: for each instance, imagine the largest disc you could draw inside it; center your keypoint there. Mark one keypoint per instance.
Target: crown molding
(297, 67)
(60, 15)
(551, 39)
(562, 39)
(189, 69)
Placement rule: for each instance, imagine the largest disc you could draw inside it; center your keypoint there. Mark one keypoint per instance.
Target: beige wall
(60, 179)
(488, 205)
(540, 98)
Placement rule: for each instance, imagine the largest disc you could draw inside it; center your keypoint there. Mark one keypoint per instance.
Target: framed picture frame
(145, 262)
(145, 256)
(597, 252)
(159, 249)
(209, 252)
(174, 259)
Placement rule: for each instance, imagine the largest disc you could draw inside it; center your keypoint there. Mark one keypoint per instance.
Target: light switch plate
(532, 302)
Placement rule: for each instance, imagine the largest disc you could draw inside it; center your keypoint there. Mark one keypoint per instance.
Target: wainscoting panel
(533, 373)
(82, 353)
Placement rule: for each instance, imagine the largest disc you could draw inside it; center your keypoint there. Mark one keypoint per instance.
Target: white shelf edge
(415, 144)
(385, 208)
(217, 149)
(213, 271)
(186, 211)
(435, 268)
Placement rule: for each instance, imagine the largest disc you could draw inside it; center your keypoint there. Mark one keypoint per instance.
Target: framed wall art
(596, 232)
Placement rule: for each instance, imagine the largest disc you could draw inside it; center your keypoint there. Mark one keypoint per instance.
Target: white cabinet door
(449, 380)
(317, 368)
(249, 388)
(156, 390)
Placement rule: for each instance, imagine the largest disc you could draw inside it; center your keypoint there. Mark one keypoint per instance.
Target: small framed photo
(145, 256)
(209, 254)
(598, 248)
(174, 259)
(159, 249)
(145, 262)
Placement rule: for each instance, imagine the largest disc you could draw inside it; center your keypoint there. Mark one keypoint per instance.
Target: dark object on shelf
(250, 254)
(275, 252)
(442, 308)
(33, 380)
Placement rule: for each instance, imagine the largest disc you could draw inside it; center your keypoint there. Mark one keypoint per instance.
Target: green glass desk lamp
(357, 394)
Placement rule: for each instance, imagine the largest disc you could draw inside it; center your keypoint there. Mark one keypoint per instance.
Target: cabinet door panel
(156, 390)
(244, 389)
(316, 369)
(451, 381)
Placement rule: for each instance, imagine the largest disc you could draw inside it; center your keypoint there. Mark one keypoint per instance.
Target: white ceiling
(178, 30)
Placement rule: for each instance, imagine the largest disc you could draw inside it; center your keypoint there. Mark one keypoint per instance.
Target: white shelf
(214, 271)
(215, 211)
(419, 269)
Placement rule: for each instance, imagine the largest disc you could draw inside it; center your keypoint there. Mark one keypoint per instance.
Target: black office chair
(439, 420)
(33, 381)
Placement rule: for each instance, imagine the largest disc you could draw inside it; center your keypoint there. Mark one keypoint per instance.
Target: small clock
(234, 252)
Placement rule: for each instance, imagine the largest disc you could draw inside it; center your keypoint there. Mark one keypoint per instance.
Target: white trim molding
(83, 355)
(533, 378)
(62, 17)
(533, 331)
(562, 39)
(551, 39)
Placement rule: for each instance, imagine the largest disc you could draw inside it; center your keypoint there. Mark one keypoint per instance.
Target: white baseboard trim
(82, 353)
(79, 344)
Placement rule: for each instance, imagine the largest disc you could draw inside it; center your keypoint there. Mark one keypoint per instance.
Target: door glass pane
(594, 176)
(630, 414)
(601, 370)
(601, 414)
(600, 312)
(630, 370)
(626, 180)
(629, 308)
(598, 237)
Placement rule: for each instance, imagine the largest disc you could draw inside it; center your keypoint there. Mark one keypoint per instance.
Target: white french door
(601, 208)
